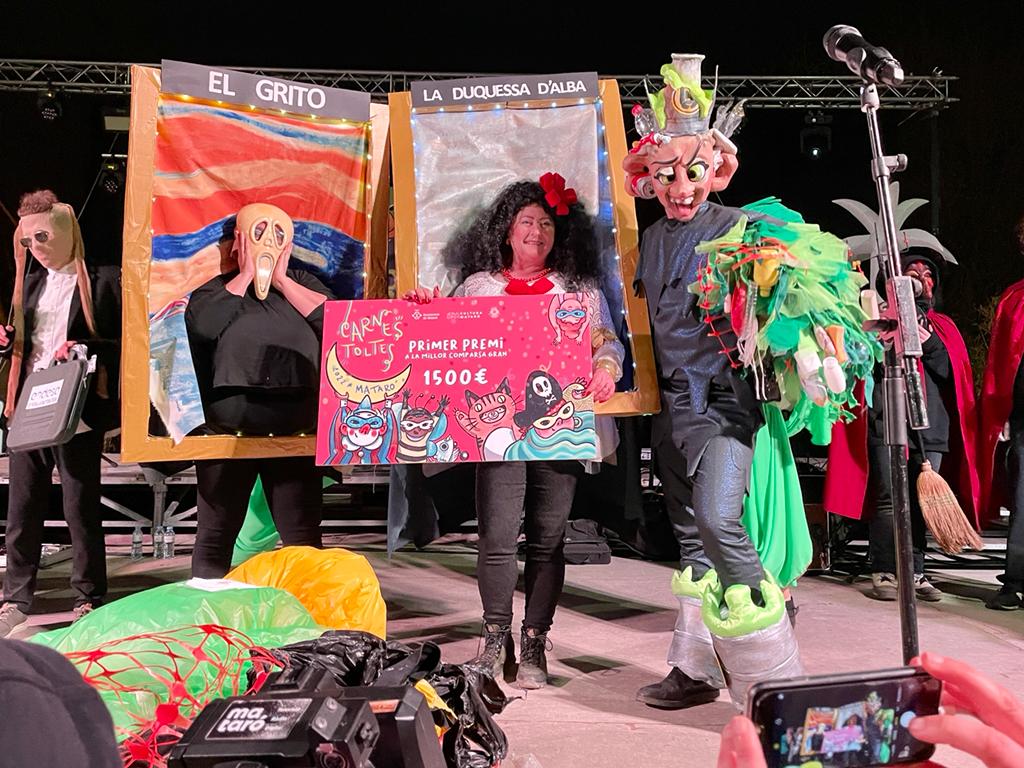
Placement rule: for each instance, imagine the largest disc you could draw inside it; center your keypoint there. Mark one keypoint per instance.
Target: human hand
(240, 283)
(978, 717)
(6, 339)
(923, 333)
(602, 386)
(422, 295)
(280, 274)
(243, 255)
(61, 355)
(741, 746)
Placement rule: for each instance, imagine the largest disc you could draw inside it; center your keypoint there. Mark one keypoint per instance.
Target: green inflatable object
(269, 617)
(162, 654)
(258, 534)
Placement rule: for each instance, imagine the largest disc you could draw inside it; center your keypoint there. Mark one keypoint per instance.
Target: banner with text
(484, 378)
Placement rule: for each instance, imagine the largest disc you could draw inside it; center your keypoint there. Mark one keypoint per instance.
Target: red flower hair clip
(555, 193)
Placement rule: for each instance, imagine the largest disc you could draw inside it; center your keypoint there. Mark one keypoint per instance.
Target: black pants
(542, 491)
(881, 529)
(294, 494)
(1014, 576)
(78, 462)
(706, 509)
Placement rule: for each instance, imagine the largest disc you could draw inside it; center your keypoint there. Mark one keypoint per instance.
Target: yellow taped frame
(644, 398)
(136, 442)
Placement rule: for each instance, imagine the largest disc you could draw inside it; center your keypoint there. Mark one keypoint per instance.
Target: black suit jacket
(99, 412)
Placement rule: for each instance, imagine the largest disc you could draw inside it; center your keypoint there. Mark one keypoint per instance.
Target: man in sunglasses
(59, 301)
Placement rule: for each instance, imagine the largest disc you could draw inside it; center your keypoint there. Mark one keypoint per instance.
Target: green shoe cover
(683, 584)
(741, 616)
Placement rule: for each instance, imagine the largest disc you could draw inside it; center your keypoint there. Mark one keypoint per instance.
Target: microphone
(844, 43)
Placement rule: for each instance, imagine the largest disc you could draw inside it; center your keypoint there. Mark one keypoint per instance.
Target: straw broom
(942, 512)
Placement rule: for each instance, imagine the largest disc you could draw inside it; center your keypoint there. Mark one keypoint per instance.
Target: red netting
(156, 683)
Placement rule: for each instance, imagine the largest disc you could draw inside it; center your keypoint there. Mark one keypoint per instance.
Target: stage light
(112, 174)
(50, 104)
(816, 136)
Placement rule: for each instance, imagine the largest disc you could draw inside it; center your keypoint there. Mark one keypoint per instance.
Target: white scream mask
(269, 230)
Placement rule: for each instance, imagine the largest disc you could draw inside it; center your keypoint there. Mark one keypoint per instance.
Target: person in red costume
(1002, 420)
(859, 458)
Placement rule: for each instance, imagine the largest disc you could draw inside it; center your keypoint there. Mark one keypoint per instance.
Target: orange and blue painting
(210, 161)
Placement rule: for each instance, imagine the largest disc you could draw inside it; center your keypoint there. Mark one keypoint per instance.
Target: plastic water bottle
(158, 541)
(168, 541)
(136, 553)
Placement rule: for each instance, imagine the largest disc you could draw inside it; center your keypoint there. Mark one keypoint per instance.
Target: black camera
(290, 723)
(303, 717)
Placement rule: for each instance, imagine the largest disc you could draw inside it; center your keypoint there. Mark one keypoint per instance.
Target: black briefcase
(50, 404)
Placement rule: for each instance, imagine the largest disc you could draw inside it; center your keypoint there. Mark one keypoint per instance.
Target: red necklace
(537, 284)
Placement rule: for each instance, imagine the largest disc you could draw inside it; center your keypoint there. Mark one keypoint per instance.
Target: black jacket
(99, 413)
(50, 715)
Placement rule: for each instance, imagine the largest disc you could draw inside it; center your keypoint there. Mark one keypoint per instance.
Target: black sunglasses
(40, 236)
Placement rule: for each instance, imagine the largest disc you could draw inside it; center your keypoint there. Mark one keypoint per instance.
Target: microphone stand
(903, 399)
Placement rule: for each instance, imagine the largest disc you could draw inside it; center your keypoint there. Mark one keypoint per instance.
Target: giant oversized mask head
(680, 159)
(48, 229)
(267, 231)
(49, 234)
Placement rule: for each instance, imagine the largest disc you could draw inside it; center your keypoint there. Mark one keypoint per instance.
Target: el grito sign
(245, 89)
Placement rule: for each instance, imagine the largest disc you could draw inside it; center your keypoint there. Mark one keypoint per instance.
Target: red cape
(1004, 355)
(846, 479)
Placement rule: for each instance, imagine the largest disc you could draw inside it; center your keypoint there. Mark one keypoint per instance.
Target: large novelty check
(463, 379)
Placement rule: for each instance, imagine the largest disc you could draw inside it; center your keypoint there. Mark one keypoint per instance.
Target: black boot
(533, 664)
(677, 691)
(498, 658)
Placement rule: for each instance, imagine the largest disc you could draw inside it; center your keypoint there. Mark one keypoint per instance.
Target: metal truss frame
(765, 92)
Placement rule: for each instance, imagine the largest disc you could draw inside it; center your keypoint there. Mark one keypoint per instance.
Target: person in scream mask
(948, 444)
(255, 335)
(703, 437)
(59, 301)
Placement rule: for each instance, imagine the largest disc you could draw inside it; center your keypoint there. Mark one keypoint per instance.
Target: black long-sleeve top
(258, 353)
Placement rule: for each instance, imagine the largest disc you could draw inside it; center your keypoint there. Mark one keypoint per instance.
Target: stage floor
(610, 637)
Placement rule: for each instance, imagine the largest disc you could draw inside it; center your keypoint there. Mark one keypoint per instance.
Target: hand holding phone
(839, 721)
(979, 717)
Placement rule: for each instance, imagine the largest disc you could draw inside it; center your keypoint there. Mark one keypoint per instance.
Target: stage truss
(916, 93)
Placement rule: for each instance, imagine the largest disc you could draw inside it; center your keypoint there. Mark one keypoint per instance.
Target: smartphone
(857, 719)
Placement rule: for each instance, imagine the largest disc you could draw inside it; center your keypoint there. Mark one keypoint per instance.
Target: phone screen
(846, 724)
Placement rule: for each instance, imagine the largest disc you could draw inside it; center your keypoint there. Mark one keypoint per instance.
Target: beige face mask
(268, 230)
(50, 236)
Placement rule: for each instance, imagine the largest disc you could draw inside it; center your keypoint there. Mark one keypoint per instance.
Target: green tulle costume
(788, 291)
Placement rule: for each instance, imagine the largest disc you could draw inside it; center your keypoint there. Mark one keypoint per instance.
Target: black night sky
(980, 161)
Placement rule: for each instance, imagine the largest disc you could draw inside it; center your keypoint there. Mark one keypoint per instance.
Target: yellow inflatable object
(337, 587)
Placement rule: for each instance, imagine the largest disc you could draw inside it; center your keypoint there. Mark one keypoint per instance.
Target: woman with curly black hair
(535, 238)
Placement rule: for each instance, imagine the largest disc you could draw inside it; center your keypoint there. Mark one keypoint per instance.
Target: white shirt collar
(67, 269)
